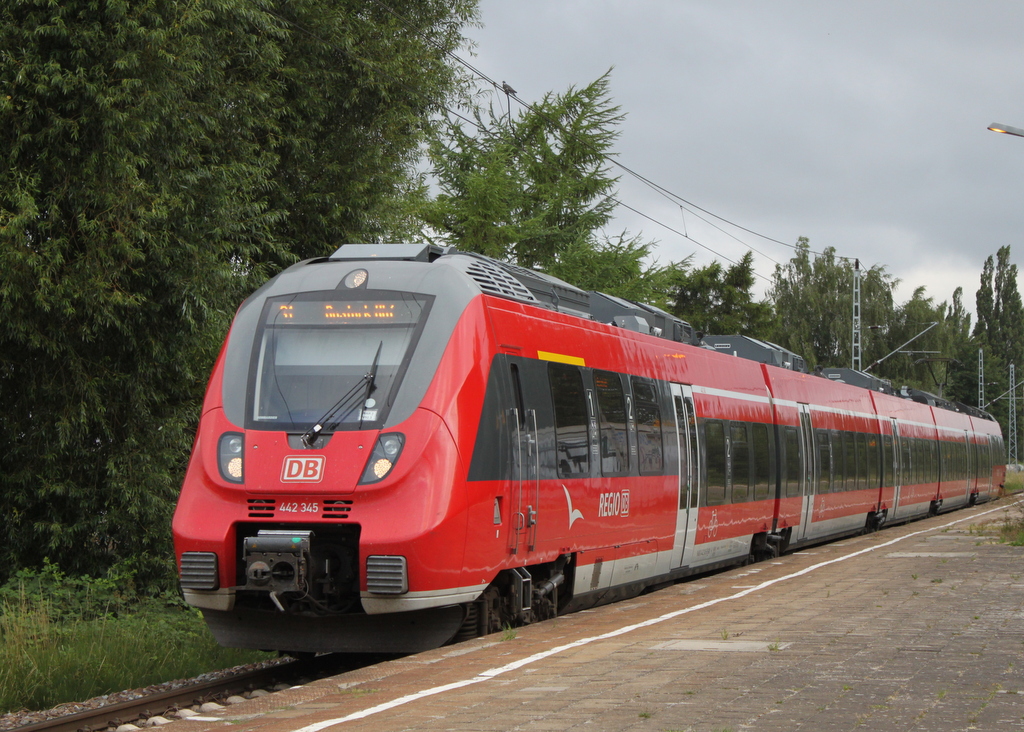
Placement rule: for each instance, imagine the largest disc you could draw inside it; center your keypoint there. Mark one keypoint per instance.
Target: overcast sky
(860, 125)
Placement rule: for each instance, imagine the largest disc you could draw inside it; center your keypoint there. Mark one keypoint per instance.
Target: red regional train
(403, 445)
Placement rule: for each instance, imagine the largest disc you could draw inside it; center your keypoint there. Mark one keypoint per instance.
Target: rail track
(168, 701)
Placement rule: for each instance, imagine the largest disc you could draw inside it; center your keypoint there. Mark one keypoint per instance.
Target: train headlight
(382, 467)
(385, 455)
(392, 445)
(229, 456)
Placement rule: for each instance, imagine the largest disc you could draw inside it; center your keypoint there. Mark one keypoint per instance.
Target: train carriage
(403, 445)
(835, 431)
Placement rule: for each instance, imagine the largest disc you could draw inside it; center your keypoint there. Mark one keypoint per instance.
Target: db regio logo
(613, 504)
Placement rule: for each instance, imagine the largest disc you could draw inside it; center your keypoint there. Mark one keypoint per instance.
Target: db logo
(304, 469)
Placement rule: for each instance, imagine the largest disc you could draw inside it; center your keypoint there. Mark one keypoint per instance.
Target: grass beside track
(1012, 530)
(56, 649)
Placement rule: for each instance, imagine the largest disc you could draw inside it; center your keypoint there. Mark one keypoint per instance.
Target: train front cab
(324, 506)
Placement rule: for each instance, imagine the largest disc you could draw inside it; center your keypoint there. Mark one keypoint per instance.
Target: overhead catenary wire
(685, 236)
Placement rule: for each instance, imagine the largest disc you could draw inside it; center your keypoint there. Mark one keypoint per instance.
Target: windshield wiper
(369, 378)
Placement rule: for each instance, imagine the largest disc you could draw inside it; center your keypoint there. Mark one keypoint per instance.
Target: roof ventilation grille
(496, 281)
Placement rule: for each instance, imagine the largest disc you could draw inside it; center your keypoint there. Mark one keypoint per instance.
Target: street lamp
(1016, 131)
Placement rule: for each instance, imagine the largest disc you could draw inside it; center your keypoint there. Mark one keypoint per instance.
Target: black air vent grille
(337, 509)
(496, 281)
(262, 507)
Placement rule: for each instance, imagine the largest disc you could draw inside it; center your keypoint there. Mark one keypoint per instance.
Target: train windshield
(316, 352)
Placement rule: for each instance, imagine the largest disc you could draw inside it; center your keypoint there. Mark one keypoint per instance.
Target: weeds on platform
(65, 639)
(509, 632)
(1012, 530)
(1014, 482)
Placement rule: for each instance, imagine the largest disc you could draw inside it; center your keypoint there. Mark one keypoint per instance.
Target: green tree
(620, 266)
(527, 189)
(918, 333)
(998, 330)
(999, 309)
(536, 190)
(162, 159)
(813, 302)
(352, 94)
(719, 300)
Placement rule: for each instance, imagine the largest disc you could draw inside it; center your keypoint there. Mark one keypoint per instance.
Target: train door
(525, 472)
(960, 470)
(807, 474)
(972, 465)
(897, 474)
(689, 471)
(983, 462)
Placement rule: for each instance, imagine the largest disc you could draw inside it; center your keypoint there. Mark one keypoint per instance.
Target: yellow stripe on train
(560, 358)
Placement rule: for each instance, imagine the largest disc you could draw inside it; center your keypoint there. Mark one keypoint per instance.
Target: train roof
(538, 288)
(511, 281)
(858, 378)
(757, 350)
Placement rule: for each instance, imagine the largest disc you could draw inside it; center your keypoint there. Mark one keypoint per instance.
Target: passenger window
(862, 461)
(684, 469)
(762, 462)
(740, 452)
(714, 441)
(612, 419)
(648, 427)
(850, 461)
(571, 445)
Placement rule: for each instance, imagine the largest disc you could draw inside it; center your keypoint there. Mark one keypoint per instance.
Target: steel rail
(160, 702)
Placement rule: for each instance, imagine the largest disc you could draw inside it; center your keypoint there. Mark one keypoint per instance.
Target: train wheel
(470, 627)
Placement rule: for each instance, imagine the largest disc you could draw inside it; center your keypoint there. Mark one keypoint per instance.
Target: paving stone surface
(918, 627)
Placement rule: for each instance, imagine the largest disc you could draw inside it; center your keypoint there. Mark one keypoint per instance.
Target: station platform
(916, 627)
